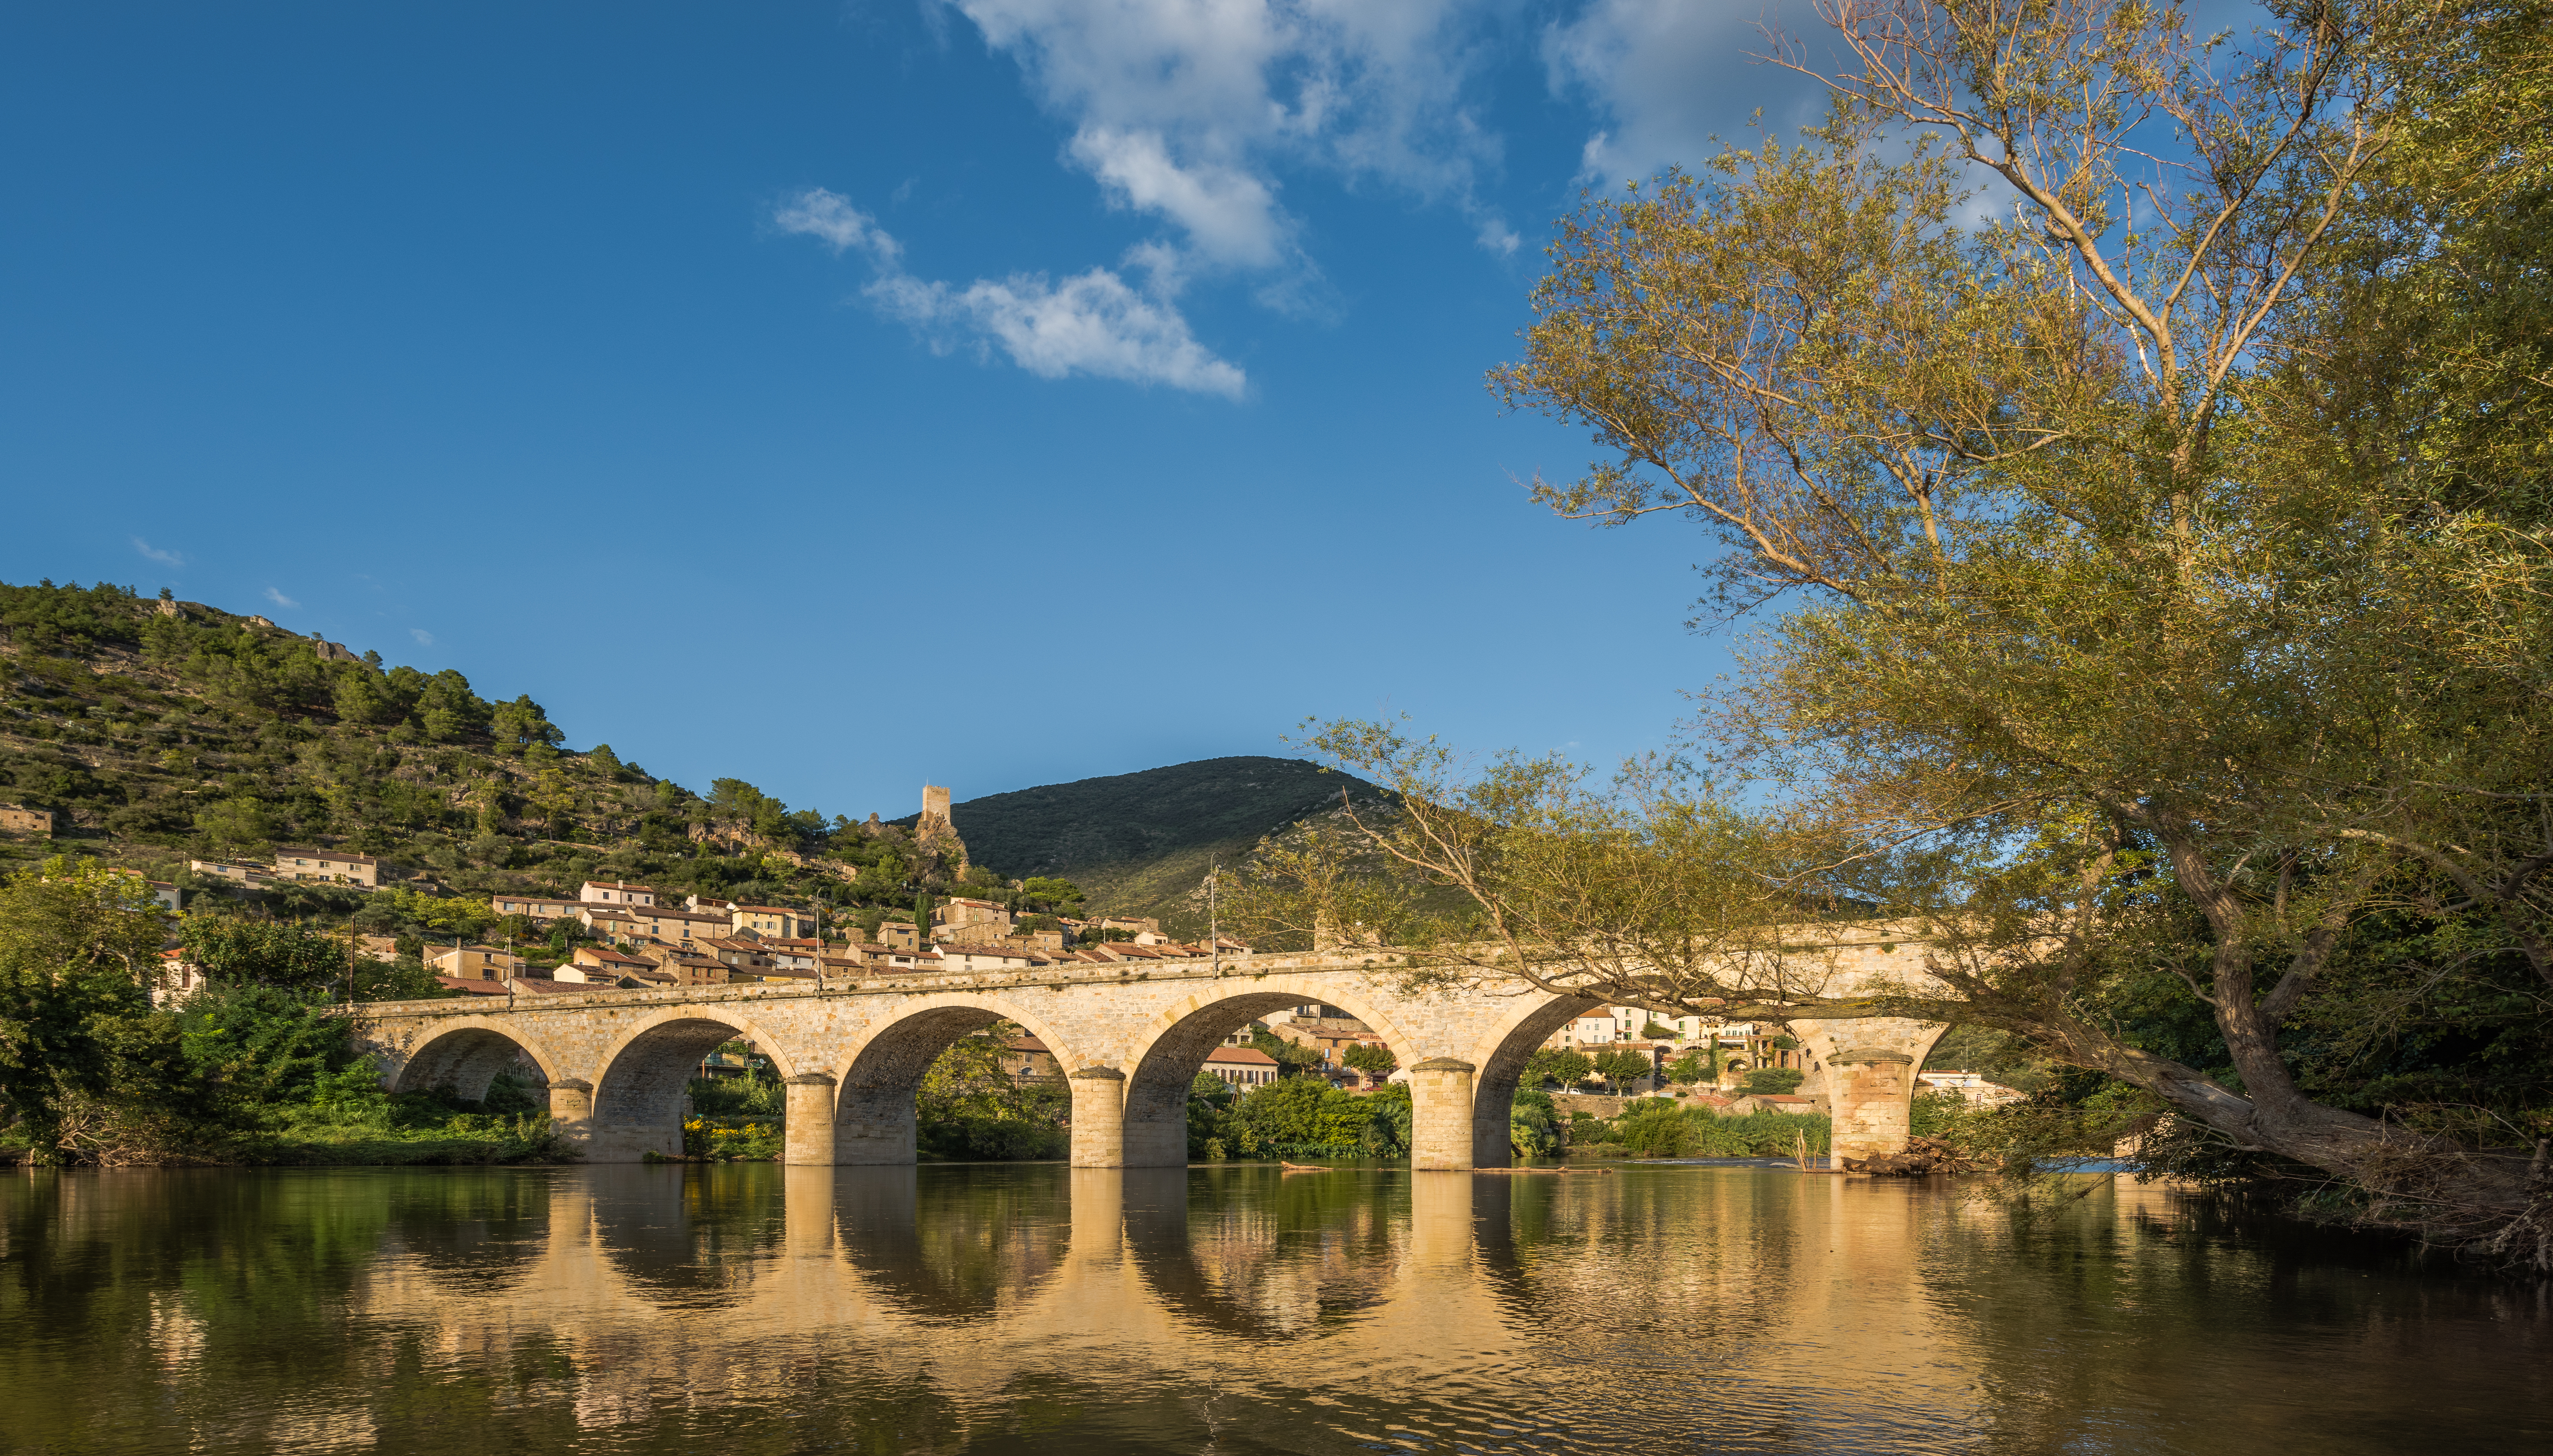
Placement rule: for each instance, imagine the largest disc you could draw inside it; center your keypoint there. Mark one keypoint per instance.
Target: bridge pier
(572, 1109)
(808, 1130)
(1869, 1067)
(1099, 1118)
(1440, 1115)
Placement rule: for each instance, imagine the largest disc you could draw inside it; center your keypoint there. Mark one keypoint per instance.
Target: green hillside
(158, 731)
(1140, 844)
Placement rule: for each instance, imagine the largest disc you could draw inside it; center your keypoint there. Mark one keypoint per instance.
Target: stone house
(252, 875)
(337, 866)
(19, 819)
(475, 963)
(604, 923)
(775, 920)
(538, 907)
(617, 892)
(740, 953)
(677, 927)
(960, 957)
(1028, 1059)
(611, 963)
(1243, 1067)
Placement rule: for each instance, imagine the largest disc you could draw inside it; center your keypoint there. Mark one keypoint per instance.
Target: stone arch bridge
(1132, 1038)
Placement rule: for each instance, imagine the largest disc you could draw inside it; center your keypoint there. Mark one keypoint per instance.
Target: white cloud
(1092, 323)
(831, 217)
(1667, 73)
(1185, 108)
(424, 637)
(153, 553)
(280, 599)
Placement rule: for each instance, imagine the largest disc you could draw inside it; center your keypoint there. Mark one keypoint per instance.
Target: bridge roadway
(1131, 1036)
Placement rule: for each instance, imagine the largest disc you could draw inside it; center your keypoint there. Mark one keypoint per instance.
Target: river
(749, 1309)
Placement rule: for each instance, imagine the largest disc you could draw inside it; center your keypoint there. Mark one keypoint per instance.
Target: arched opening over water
(1501, 1063)
(463, 1056)
(1157, 1090)
(638, 1100)
(873, 1111)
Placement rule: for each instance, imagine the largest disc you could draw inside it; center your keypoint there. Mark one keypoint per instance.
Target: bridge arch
(639, 1094)
(463, 1054)
(1500, 1058)
(1178, 1042)
(873, 1111)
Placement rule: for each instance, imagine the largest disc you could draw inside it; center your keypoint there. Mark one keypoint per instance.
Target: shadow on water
(750, 1309)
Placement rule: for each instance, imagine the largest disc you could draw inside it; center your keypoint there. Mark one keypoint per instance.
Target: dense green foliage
(161, 730)
(1662, 1128)
(1295, 1117)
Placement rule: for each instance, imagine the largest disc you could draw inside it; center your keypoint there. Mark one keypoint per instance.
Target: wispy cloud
(280, 599)
(153, 553)
(424, 637)
(829, 216)
(1093, 323)
(1660, 71)
(1186, 110)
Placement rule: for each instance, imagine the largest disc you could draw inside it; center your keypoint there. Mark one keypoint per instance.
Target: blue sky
(844, 397)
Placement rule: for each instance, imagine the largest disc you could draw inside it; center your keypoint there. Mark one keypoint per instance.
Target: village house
(604, 923)
(970, 922)
(740, 953)
(252, 875)
(537, 907)
(899, 935)
(695, 970)
(1329, 1038)
(957, 956)
(335, 867)
(677, 927)
(603, 964)
(179, 978)
(1026, 1058)
(790, 955)
(475, 963)
(776, 920)
(19, 819)
(1243, 1067)
(617, 892)
(707, 907)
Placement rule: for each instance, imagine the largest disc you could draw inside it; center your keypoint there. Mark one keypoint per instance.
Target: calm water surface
(751, 1308)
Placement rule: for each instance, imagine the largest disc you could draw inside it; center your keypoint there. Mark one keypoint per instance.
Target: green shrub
(1777, 1081)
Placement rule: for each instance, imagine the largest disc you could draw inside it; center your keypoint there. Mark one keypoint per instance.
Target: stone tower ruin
(937, 831)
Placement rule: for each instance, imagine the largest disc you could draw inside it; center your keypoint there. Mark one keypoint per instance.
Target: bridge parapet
(1130, 1036)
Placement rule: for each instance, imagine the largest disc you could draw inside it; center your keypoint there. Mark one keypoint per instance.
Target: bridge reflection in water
(755, 1308)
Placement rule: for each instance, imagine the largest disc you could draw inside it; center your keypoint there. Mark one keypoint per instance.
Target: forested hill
(1141, 843)
(158, 731)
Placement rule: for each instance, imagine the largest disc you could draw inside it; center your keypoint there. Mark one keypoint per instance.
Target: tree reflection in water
(752, 1308)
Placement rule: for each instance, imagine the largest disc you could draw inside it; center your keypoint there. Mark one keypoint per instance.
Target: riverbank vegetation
(258, 1067)
(2133, 452)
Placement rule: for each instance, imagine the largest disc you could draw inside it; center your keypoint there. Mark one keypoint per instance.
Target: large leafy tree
(2135, 447)
(79, 946)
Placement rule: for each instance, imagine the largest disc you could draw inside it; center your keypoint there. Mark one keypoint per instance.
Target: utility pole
(1213, 927)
